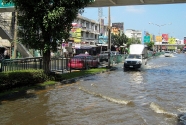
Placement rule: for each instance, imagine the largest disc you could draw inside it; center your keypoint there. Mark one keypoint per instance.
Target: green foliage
(24, 78)
(150, 45)
(82, 73)
(20, 78)
(119, 40)
(133, 41)
(42, 23)
(48, 83)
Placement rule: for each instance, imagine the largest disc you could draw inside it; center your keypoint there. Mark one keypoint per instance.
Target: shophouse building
(86, 35)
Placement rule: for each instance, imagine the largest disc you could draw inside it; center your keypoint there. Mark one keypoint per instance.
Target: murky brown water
(153, 96)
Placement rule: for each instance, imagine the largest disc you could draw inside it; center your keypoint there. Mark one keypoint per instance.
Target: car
(83, 61)
(168, 54)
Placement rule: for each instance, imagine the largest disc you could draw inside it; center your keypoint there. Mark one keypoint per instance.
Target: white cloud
(134, 9)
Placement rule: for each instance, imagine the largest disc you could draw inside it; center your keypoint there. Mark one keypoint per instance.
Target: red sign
(184, 40)
(165, 37)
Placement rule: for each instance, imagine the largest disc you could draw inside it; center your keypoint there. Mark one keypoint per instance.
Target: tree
(119, 40)
(44, 22)
(133, 41)
(150, 45)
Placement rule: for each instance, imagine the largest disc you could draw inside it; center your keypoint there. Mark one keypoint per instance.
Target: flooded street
(153, 96)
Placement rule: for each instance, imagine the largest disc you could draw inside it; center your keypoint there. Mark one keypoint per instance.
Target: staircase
(6, 32)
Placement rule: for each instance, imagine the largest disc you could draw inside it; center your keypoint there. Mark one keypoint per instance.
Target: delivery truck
(137, 57)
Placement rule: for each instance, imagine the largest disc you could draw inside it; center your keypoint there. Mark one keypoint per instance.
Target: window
(96, 27)
(87, 34)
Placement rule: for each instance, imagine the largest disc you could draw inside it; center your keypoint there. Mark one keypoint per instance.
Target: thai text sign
(8, 5)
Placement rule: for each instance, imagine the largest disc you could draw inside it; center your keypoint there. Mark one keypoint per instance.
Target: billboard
(116, 28)
(158, 38)
(115, 31)
(171, 41)
(103, 39)
(184, 40)
(165, 37)
(75, 34)
(119, 26)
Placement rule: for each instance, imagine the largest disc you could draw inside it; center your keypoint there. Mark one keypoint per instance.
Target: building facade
(86, 35)
(131, 33)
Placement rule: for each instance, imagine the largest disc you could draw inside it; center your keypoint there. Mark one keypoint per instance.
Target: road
(154, 95)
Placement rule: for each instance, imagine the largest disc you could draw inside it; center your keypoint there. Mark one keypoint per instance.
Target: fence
(57, 64)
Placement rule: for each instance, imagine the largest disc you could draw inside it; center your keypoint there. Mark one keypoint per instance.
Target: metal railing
(57, 64)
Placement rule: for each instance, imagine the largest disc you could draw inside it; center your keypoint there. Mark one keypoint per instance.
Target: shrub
(13, 79)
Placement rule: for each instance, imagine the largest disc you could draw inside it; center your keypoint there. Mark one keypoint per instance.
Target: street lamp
(159, 25)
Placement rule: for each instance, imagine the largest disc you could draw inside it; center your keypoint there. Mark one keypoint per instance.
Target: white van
(137, 57)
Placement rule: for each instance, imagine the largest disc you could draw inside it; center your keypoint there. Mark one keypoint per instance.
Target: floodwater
(154, 95)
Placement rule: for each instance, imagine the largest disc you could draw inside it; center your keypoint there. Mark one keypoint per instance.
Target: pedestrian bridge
(106, 3)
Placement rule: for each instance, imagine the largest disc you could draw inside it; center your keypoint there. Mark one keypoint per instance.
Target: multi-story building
(131, 33)
(85, 35)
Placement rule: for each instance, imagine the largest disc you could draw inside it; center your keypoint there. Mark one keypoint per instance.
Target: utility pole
(109, 37)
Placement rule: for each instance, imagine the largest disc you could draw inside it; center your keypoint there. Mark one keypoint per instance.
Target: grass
(82, 73)
(48, 83)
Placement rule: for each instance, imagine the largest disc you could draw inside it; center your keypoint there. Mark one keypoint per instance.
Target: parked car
(83, 61)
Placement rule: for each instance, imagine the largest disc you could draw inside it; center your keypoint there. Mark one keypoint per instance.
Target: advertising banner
(165, 37)
(75, 34)
(116, 28)
(184, 40)
(118, 25)
(103, 39)
(151, 37)
(158, 38)
(78, 35)
(171, 41)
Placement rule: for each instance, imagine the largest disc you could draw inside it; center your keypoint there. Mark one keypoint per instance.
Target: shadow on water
(181, 119)
(13, 95)
(131, 70)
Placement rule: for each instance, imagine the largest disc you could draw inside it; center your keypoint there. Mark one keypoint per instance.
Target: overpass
(106, 3)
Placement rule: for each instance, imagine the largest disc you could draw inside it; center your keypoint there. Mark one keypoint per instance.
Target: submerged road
(154, 95)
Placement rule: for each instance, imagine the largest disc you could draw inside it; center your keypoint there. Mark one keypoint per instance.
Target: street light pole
(159, 27)
(109, 37)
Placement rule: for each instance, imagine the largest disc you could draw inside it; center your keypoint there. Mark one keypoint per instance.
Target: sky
(171, 16)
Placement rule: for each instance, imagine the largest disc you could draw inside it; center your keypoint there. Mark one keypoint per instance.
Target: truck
(137, 56)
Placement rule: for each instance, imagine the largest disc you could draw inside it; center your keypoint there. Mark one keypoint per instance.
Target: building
(86, 35)
(131, 33)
